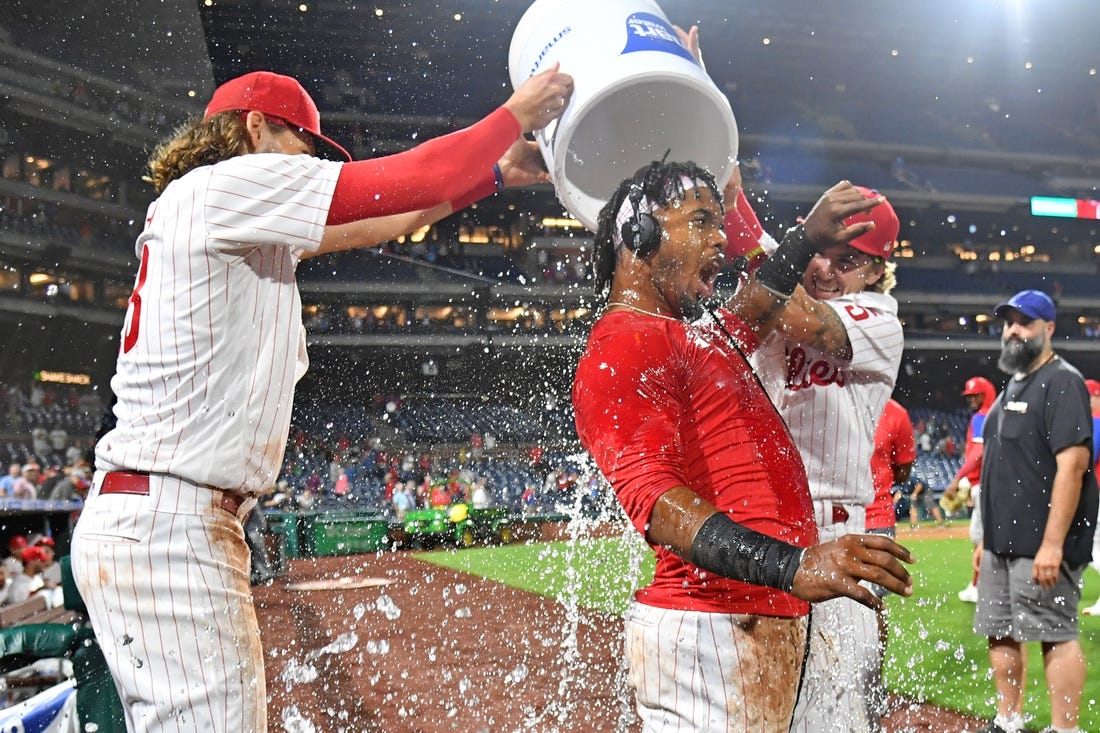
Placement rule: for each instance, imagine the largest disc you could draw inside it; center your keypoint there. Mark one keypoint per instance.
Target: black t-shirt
(1031, 421)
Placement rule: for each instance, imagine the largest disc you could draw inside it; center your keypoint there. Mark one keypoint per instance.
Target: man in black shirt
(1038, 507)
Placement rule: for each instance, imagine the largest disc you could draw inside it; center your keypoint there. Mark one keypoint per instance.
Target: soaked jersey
(213, 341)
(660, 404)
(831, 405)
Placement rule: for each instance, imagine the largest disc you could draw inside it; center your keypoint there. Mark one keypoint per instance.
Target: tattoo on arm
(813, 323)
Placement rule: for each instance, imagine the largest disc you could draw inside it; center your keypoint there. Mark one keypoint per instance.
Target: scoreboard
(1066, 208)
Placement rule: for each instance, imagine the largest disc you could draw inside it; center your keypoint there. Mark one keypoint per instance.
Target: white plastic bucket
(637, 93)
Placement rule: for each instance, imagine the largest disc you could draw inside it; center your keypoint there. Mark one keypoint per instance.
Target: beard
(691, 308)
(1018, 354)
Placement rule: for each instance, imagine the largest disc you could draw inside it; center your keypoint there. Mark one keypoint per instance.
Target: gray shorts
(890, 532)
(1011, 606)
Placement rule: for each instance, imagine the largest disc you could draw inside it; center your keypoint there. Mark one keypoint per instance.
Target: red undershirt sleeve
(744, 232)
(457, 167)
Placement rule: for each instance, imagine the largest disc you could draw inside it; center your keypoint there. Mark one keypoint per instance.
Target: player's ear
(878, 269)
(255, 126)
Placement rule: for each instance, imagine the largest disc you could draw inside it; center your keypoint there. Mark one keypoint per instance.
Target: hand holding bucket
(638, 92)
(541, 98)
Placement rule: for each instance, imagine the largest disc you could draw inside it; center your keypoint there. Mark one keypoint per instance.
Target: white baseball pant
(845, 657)
(165, 579)
(713, 672)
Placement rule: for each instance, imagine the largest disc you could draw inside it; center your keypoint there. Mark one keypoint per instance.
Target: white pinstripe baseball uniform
(211, 349)
(832, 408)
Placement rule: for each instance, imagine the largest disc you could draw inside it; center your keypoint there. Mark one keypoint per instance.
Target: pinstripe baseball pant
(165, 579)
(713, 672)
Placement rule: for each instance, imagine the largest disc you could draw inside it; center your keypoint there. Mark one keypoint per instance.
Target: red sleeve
(453, 167)
(752, 221)
(972, 460)
(743, 231)
(905, 448)
(628, 403)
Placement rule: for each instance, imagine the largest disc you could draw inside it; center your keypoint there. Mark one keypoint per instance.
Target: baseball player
(212, 346)
(965, 487)
(891, 462)
(830, 367)
(701, 462)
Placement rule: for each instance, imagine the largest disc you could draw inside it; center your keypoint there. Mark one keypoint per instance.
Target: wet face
(1022, 341)
(691, 254)
(974, 402)
(840, 270)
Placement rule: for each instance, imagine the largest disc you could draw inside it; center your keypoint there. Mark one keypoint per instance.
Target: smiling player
(830, 367)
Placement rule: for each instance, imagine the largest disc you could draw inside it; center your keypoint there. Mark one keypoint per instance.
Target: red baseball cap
(981, 386)
(880, 241)
(275, 95)
(1093, 387)
(34, 552)
(18, 542)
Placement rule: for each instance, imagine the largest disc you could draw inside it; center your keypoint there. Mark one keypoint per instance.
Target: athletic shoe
(1093, 610)
(969, 594)
(991, 727)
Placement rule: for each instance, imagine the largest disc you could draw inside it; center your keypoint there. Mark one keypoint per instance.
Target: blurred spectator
(7, 482)
(14, 561)
(71, 487)
(40, 442)
(403, 501)
(29, 580)
(26, 486)
(479, 497)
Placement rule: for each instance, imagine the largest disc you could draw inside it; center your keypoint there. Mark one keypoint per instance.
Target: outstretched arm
(448, 168)
(521, 165)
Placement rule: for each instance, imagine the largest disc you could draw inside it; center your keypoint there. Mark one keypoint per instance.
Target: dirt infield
(438, 650)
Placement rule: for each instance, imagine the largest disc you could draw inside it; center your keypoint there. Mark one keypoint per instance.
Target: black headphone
(642, 232)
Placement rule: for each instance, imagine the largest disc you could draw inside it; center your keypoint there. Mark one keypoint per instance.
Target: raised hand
(541, 99)
(690, 39)
(825, 223)
(835, 569)
(523, 164)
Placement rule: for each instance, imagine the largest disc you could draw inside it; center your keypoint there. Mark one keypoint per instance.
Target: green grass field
(932, 654)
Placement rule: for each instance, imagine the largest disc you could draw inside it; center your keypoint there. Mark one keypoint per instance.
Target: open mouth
(708, 273)
(828, 290)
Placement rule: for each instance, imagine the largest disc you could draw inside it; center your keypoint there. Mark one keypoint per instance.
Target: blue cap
(1032, 303)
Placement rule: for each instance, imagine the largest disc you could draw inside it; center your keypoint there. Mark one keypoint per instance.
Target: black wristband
(783, 270)
(732, 550)
(498, 177)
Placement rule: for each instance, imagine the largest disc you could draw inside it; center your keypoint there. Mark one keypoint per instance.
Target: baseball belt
(829, 512)
(136, 483)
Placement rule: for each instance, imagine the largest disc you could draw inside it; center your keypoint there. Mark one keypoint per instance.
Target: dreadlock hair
(662, 184)
(196, 143)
